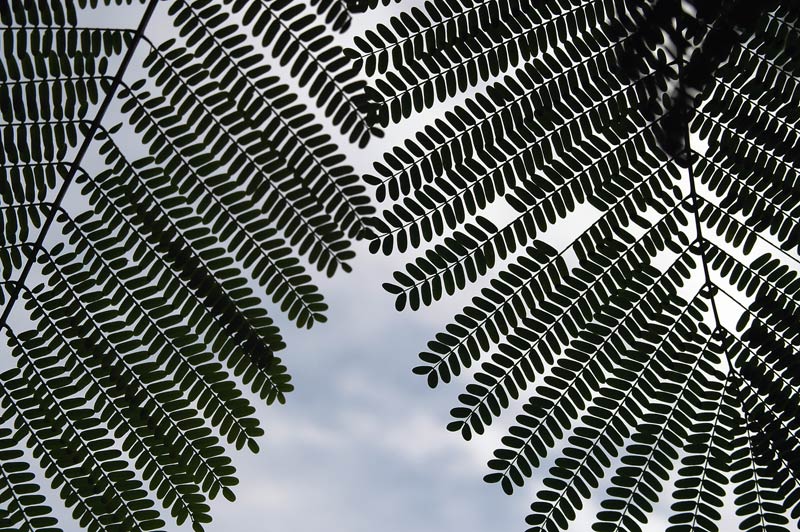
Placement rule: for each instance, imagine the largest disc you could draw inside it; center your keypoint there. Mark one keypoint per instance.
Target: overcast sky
(361, 444)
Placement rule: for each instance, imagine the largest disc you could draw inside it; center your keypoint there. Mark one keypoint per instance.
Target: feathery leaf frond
(646, 150)
(137, 257)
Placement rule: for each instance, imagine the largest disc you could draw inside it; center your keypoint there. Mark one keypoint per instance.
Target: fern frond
(284, 27)
(510, 103)
(84, 441)
(257, 164)
(759, 499)
(704, 475)
(582, 369)
(134, 246)
(229, 212)
(558, 314)
(682, 386)
(24, 507)
(152, 436)
(649, 148)
(273, 107)
(336, 13)
(612, 415)
(198, 261)
(43, 440)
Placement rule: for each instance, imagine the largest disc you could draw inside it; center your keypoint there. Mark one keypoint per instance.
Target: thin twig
(76, 163)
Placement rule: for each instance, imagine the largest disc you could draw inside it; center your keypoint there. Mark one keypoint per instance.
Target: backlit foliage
(649, 152)
(139, 259)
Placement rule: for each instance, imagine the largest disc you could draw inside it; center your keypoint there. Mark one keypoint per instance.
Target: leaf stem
(693, 189)
(76, 163)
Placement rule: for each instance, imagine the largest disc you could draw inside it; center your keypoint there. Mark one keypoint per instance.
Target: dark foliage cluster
(652, 359)
(674, 126)
(139, 259)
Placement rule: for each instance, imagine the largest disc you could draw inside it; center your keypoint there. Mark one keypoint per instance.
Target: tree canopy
(649, 153)
(638, 309)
